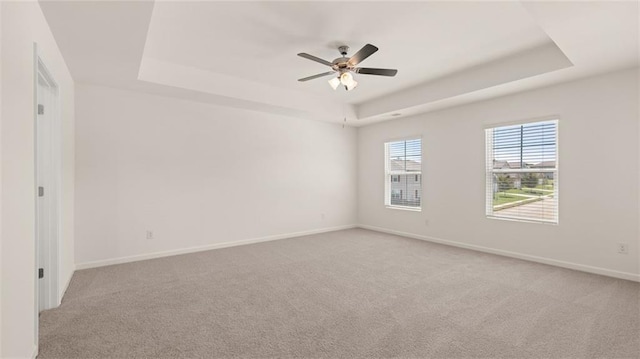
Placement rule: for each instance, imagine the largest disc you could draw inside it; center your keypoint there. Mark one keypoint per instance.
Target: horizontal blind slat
(522, 172)
(404, 173)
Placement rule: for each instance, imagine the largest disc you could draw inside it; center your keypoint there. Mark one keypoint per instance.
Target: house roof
(508, 165)
(398, 164)
(516, 164)
(544, 164)
(500, 164)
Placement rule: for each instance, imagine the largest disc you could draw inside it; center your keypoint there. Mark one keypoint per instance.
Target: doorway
(48, 172)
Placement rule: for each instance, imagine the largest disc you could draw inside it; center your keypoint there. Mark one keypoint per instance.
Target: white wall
(200, 175)
(23, 24)
(598, 159)
(1, 177)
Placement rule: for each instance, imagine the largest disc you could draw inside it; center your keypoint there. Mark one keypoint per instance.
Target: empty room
(319, 179)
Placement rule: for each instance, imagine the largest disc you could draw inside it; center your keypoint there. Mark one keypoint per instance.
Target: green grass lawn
(545, 186)
(502, 198)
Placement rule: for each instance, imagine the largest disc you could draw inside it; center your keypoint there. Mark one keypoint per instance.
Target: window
(522, 172)
(396, 194)
(403, 166)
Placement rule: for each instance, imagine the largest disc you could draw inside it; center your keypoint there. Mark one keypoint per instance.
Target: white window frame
(388, 173)
(490, 172)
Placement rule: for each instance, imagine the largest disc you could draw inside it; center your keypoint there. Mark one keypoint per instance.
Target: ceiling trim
(252, 95)
(540, 60)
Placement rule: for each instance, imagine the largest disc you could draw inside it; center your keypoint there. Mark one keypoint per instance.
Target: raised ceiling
(259, 41)
(243, 54)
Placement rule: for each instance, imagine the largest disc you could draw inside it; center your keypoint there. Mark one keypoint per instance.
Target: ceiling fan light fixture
(334, 83)
(346, 78)
(352, 85)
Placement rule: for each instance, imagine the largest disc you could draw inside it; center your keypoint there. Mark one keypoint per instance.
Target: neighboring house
(546, 164)
(516, 177)
(406, 189)
(506, 165)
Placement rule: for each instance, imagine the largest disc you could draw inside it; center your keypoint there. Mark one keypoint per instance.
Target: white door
(46, 191)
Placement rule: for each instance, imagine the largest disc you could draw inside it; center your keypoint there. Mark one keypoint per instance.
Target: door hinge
(40, 109)
(40, 273)
(40, 191)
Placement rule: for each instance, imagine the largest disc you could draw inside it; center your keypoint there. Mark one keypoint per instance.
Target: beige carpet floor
(346, 294)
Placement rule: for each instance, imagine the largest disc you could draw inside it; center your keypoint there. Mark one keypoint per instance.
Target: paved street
(544, 210)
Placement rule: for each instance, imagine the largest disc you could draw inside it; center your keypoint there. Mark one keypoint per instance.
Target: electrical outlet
(322, 216)
(149, 234)
(623, 248)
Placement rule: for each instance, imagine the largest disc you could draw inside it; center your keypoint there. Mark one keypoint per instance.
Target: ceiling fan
(344, 67)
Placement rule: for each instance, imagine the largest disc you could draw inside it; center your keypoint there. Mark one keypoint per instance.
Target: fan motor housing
(341, 64)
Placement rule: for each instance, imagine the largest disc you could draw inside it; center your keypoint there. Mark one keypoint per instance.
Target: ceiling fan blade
(316, 76)
(366, 51)
(316, 59)
(379, 72)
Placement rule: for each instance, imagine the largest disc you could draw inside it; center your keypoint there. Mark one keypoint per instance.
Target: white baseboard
(141, 257)
(580, 267)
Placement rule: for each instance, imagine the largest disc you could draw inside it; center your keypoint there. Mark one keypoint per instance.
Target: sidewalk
(528, 199)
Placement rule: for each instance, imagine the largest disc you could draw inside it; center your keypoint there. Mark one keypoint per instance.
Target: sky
(535, 142)
(411, 150)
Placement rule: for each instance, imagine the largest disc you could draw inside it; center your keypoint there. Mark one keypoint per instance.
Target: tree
(505, 182)
(529, 180)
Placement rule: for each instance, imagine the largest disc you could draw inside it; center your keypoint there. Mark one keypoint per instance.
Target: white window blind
(403, 177)
(522, 172)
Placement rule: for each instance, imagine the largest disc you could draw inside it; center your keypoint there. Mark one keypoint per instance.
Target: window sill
(410, 209)
(525, 220)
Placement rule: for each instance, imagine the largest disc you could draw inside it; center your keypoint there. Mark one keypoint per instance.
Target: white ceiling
(243, 54)
(259, 41)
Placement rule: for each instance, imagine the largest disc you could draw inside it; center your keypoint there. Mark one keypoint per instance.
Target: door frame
(50, 261)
